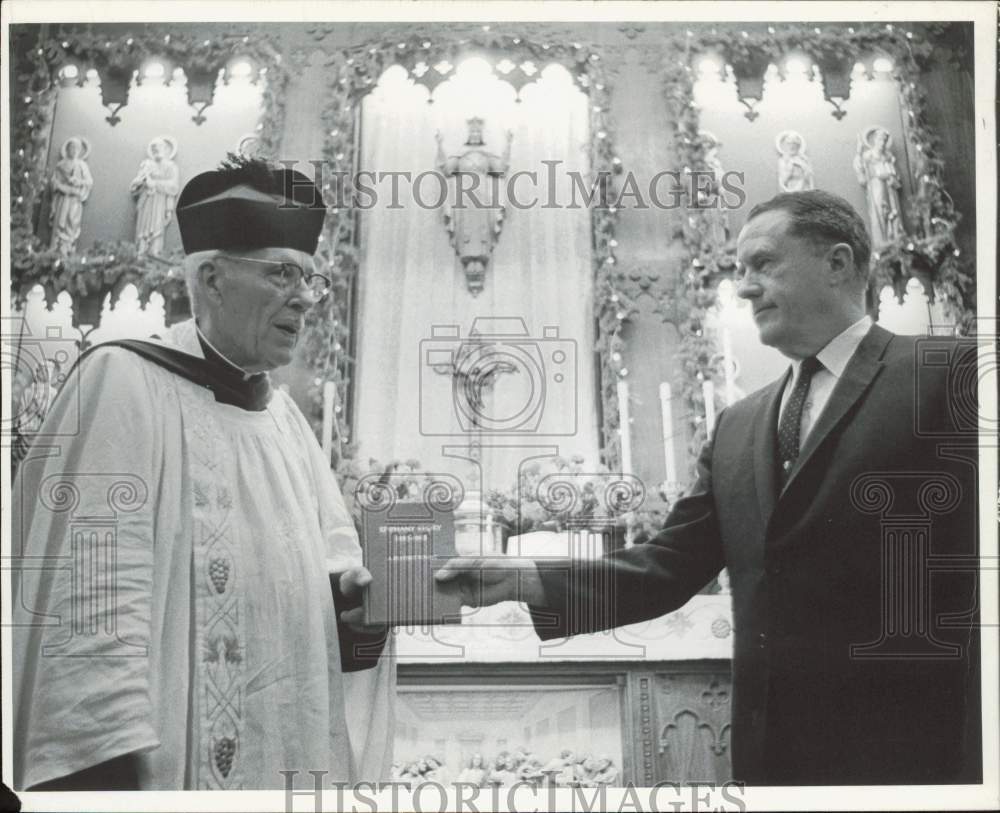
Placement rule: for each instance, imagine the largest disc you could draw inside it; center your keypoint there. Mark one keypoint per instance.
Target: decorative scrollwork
(715, 696)
(872, 494)
(443, 493)
(559, 494)
(127, 496)
(372, 494)
(936, 493)
(624, 494)
(940, 494)
(719, 739)
(381, 492)
(59, 495)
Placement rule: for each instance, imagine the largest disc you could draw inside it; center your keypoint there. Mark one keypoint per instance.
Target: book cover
(403, 547)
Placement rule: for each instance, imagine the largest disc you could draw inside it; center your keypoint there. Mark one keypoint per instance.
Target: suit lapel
(764, 451)
(860, 372)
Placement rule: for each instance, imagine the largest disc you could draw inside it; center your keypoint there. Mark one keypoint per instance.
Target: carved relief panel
(682, 720)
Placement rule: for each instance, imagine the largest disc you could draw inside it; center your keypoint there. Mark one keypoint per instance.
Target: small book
(403, 547)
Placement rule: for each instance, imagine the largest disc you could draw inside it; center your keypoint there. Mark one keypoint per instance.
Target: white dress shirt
(834, 358)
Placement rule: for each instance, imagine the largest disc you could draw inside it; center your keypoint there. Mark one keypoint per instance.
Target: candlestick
(667, 416)
(625, 428)
(708, 391)
(329, 398)
(727, 360)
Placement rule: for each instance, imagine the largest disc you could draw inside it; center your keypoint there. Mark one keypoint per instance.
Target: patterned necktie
(791, 418)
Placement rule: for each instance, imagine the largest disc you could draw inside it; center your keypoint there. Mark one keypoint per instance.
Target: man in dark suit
(842, 500)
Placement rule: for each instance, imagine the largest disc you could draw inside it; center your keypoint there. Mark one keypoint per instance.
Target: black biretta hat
(247, 204)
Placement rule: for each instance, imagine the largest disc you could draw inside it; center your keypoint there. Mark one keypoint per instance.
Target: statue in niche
(875, 166)
(711, 200)
(795, 171)
(155, 189)
(474, 218)
(71, 183)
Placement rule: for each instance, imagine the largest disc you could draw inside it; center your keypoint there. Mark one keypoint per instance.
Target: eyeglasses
(288, 276)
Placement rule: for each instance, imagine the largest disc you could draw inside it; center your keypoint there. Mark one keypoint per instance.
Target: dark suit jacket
(871, 542)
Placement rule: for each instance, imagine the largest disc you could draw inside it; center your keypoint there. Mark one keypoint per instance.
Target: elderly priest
(184, 554)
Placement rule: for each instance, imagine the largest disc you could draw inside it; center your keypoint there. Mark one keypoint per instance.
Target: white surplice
(171, 595)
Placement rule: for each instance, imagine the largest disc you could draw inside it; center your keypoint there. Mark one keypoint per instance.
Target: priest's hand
(360, 643)
(349, 593)
(490, 580)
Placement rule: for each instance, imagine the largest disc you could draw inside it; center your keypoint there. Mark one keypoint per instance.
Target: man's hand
(360, 643)
(485, 581)
(352, 584)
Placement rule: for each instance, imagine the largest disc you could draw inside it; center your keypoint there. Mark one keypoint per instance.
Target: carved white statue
(155, 188)
(718, 223)
(795, 172)
(875, 166)
(71, 183)
(474, 229)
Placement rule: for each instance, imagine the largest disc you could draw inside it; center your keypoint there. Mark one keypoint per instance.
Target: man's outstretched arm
(570, 597)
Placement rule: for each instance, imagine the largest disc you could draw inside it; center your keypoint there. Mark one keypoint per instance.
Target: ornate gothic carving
(694, 727)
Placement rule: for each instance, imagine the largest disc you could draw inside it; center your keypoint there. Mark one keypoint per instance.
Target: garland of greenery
(105, 268)
(353, 73)
(929, 251)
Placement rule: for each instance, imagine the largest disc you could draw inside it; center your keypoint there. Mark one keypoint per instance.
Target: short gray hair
(192, 262)
(822, 216)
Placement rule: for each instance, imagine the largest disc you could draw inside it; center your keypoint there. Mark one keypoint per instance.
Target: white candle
(329, 399)
(708, 391)
(667, 415)
(625, 428)
(727, 360)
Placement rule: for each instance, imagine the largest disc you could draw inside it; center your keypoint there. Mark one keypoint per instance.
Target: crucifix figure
(474, 213)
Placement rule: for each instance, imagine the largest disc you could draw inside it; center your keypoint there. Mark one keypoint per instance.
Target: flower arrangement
(404, 477)
(377, 487)
(554, 494)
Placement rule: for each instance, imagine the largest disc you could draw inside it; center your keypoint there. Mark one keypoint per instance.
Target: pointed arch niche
(414, 303)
